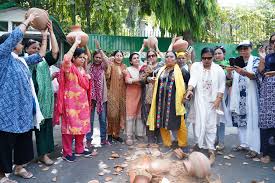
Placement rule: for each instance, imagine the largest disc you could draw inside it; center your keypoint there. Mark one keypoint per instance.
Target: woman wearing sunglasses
(244, 101)
(167, 109)
(206, 86)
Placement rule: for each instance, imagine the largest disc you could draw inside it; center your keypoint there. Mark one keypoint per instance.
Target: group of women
(151, 99)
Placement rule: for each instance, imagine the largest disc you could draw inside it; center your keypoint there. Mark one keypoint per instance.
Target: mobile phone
(189, 49)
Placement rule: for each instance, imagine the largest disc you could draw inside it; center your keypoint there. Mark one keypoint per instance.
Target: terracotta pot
(197, 165)
(40, 22)
(180, 45)
(76, 30)
(145, 42)
(152, 41)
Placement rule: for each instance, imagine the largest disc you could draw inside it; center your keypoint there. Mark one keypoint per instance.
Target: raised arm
(15, 37)
(105, 59)
(54, 44)
(36, 58)
(67, 61)
(170, 48)
(262, 55)
(158, 51)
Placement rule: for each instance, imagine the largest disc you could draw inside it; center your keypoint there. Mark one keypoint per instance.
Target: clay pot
(76, 30)
(40, 22)
(145, 42)
(180, 45)
(152, 41)
(197, 165)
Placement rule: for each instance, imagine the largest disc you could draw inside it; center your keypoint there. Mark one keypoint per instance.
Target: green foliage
(235, 25)
(180, 16)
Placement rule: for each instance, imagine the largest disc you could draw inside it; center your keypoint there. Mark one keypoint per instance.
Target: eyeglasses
(206, 58)
(151, 56)
(272, 41)
(169, 56)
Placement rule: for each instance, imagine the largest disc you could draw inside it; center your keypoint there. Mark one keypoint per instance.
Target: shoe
(69, 158)
(105, 142)
(110, 139)
(220, 147)
(85, 153)
(118, 139)
(89, 144)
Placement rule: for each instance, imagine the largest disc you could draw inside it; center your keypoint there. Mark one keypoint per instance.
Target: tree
(186, 17)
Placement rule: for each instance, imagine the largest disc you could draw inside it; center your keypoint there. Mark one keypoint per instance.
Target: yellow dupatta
(180, 92)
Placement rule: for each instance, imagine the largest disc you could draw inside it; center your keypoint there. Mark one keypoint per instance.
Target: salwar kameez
(167, 110)
(43, 86)
(207, 85)
(244, 107)
(267, 109)
(116, 106)
(134, 124)
(73, 106)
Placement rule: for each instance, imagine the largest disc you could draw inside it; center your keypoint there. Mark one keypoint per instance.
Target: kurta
(160, 115)
(116, 106)
(16, 101)
(267, 108)
(244, 106)
(74, 93)
(133, 94)
(207, 84)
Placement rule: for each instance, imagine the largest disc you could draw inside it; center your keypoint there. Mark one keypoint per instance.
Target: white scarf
(38, 118)
(253, 132)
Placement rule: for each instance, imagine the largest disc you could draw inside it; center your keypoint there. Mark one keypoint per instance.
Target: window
(4, 26)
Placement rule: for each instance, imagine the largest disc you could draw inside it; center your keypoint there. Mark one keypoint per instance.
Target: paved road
(238, 169)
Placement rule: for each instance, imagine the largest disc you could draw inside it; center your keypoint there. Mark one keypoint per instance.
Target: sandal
(23, 173)
(7, 180)
(238, 148)
(265, 159)
(251, 154)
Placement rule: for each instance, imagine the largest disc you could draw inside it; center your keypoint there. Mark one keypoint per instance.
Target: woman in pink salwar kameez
(73, 105)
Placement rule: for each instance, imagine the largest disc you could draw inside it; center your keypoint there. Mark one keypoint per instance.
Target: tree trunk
(88, 15)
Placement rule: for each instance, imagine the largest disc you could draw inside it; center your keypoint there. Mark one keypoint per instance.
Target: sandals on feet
(238, 148)
(23, 173)
(251, 154)
(266, 159)
(7, 180)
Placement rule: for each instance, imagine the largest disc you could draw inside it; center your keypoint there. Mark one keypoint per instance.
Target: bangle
(24, 24)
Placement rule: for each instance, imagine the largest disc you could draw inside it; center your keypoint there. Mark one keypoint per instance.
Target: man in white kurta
(208, 86)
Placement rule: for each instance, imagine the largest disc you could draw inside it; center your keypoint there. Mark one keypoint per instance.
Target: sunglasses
(151, 56)
(206, 58)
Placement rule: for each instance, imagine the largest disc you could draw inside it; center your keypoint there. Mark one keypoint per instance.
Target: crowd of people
(150, 101)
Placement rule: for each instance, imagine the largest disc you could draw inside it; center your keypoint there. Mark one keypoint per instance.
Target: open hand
(32, 17)
(50, 26)
(78, 39)
(97, 44)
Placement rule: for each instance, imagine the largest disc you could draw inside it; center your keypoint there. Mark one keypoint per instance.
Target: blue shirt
(270, 62)
(16, 100)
